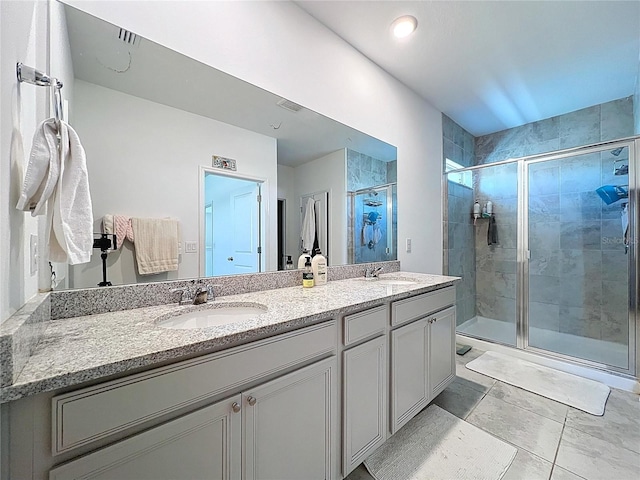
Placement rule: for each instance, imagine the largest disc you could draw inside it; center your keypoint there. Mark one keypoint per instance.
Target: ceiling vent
(129, 38)
(289, 105)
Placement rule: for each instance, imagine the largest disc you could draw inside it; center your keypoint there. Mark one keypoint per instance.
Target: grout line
(555, 457)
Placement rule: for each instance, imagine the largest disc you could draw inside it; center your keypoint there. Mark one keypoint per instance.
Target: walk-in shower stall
(372, 224)
(550, 264)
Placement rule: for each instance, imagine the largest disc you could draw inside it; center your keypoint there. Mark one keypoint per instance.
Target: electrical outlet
(408, 245)
(190, 247)
(33, 254)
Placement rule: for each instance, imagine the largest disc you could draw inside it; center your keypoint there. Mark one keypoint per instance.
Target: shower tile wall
(496, 264)
(364, 171)
(607, 121)
(458, 145)
(578, 269)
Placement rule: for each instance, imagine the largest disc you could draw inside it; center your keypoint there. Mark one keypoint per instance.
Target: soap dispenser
(289, 264)
(319, 268)
(307, 274)
(302, 259)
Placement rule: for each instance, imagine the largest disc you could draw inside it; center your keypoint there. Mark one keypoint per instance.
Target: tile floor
(554, 441)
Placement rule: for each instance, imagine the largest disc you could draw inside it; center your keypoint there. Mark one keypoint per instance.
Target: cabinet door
(202, 445)
(442, 340)
(364, 394)
(409, 372)
(290, 425)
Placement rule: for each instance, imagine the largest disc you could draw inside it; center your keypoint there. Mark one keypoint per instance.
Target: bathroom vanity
(308, 389)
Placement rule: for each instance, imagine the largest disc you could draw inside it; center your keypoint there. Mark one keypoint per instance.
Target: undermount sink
(390, 281)
(216, 315)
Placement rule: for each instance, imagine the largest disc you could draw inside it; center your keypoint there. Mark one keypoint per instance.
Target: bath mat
(577, 392)
(437, 445)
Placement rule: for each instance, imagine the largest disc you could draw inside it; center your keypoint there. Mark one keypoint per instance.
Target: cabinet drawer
(359, 326)
(404, 311)
(83, 416)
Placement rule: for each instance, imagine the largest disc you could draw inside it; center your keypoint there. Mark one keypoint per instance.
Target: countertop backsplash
(20, 333)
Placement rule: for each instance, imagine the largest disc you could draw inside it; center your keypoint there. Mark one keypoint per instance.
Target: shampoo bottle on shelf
(307, 274)
(302, 259)
(319, 268)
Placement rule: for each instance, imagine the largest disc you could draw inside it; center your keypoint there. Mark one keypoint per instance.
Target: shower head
(617, 151)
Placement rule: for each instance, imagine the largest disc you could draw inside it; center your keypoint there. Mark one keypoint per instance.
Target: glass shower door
(483, 250)
(577, 271)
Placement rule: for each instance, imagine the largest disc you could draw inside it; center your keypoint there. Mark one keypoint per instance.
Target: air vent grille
(289, 105)
(128, 37)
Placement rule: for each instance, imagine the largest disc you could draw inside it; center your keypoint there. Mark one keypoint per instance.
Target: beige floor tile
(459, 398)
(524, 429)
(528, 466)
(620, 424)
(562, 474)
(595, 459)
(478, 381)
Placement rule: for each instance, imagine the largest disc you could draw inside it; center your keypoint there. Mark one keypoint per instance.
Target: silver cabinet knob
(435, 319)
(251, 401)
(235, 406)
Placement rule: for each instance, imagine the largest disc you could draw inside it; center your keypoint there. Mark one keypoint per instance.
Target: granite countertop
(88, 348)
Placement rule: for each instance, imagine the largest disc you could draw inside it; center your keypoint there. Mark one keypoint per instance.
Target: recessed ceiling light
(404, 26)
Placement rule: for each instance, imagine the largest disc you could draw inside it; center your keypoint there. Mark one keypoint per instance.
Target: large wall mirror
(150, 119)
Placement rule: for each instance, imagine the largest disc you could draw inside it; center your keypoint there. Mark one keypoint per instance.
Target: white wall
(129, 140)
(284, 50)
(61, 66)
(23, 28)
(328, 173)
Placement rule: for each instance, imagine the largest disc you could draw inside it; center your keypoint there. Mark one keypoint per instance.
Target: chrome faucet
(204, 293)
(372, 272)
(186, 297)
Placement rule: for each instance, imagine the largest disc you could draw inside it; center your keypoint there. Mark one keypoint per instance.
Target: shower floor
(600, 351)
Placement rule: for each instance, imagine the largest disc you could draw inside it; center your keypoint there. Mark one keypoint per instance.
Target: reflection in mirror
(150, 119)
(232, 217)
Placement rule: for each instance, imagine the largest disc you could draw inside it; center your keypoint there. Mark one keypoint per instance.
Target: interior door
(244, 212)
(231, 228)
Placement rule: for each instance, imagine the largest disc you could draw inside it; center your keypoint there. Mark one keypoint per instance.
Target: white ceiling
(492, 65)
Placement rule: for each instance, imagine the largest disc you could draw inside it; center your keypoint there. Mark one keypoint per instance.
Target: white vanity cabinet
(205, 444)
(422, 352)
(282, 429)
(364, 385)
(290, 426)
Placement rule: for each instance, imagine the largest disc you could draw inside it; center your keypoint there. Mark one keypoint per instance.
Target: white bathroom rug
(436, 445)
(577, 392)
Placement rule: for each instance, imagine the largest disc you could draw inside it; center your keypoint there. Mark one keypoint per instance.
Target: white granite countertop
(88, 348)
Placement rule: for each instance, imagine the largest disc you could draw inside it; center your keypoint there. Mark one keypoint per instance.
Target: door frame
(263, 214)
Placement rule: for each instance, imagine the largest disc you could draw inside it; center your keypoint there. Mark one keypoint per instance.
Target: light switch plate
(33, 254)
(190, 247)
(408, 245)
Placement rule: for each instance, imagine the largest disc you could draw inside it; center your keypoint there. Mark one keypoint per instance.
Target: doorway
(231, 213)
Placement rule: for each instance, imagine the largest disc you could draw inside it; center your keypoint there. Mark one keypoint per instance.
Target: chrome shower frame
(522, 249)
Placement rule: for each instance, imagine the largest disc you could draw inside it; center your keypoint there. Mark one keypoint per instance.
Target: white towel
(156, 244)
(377, 234)
(308, 233)
(58, 177)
